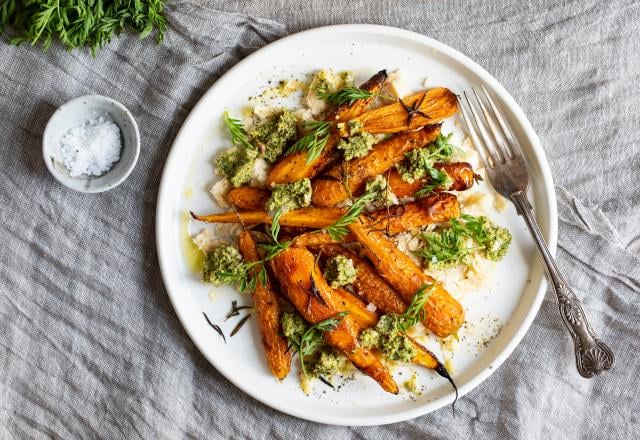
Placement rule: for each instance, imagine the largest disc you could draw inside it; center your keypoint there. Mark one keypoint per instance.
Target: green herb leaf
(79, 24)
(419, 163)
(239, 135)
(454, 243)
(439, 180)
(314, 141)
(348, 94)
(276, 247)
(313, 338)
(415, 312)
(338, 230)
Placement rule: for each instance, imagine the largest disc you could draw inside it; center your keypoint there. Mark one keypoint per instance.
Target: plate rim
(546, 184)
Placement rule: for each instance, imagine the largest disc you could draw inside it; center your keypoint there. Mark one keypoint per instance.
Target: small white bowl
(75, 113)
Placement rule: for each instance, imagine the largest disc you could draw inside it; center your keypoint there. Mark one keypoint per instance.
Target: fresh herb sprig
(339, 229)
(438, 179)
(313, 338)
(420, 162)
(314, 141)
(415, 312)
(462, 237)
(79, 23)
(243, 276)
(239, 136)
(276, 246)
(347, 95)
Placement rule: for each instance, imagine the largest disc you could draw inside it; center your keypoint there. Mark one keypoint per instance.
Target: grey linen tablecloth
(89, 344)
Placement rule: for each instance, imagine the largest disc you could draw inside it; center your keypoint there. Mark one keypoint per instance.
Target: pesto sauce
(290, 196)
(339, 271)
(293, 325)
(237, 165)
(329, 363)
(221, 264)
(274, 134)
(387, 337)
(358, 143)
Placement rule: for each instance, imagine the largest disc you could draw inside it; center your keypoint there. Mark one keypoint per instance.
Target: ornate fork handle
(593, 356)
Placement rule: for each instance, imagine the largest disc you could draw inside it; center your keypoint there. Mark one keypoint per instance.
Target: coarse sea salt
(91, 148)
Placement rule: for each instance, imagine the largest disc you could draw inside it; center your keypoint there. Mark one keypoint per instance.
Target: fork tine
(480, 148)
(500, 142)
(507, 135)
(495, 154)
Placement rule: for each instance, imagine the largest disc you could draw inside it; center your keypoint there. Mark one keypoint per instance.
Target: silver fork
(507, 171)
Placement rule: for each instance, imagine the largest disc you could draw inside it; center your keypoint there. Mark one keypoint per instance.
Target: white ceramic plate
(188, 174)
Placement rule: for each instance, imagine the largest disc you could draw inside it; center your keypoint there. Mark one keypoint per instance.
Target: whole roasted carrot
(433, 106)
(267, 311)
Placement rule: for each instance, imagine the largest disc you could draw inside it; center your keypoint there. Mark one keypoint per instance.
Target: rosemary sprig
(235, 309)
(215, 327)
(314, 141)
(415, 312)
(239, 136)
(338, 230)
(312, 339)
(239, 325)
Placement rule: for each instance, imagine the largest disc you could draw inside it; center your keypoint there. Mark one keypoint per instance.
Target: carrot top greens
(78, 23)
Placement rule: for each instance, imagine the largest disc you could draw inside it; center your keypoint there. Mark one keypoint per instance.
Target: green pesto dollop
(497, 244)
(237, 165)
(419, 163)
(329, 363)
(369, 338)
(387, 337)
(339, 271)
(221, 265)
(289, 196)
(293, 326)
(357, 144)
(274, 134)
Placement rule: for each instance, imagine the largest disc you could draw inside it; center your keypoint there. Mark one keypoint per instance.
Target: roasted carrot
(294, 167)
(329, 187)
(305, 217)
(461, 174)
(317, 238)
(267, 312)
(248, 197)
(436, 208)
(306, 288)
(444, 315)
(438, 104)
